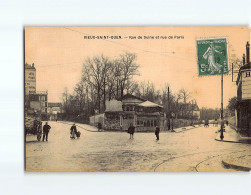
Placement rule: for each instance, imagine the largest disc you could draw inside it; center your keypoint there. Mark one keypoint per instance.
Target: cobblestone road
(192, 150)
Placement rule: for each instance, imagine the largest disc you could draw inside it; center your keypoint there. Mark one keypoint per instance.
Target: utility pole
(168, 113)
(222, 122)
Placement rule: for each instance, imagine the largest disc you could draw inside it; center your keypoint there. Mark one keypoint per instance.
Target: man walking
(46, 129)
(157, 132)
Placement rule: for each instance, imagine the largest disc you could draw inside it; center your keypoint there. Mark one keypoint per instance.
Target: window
(248, 74)
(42, 98)
(127, 108)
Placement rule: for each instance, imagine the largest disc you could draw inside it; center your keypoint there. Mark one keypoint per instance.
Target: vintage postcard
(137, 99)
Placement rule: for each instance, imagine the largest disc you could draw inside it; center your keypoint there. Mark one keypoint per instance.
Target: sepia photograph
(137, 99)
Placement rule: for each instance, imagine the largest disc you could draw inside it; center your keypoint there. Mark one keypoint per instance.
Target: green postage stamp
(212, 56)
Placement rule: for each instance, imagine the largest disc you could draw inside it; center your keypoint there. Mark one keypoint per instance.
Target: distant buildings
(53, 110)
(243, 83)
(120, 114)
(35, 101)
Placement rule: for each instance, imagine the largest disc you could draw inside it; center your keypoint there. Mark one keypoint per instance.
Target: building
(243, 83)
(38, 102)
(53, 110)
(35, 101)
(129, 109)
(30, 79)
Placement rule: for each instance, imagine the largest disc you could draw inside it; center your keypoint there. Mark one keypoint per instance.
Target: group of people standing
(131, 130)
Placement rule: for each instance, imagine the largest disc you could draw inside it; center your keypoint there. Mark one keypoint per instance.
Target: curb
(239, 142)
(77, 126)
(236, 167)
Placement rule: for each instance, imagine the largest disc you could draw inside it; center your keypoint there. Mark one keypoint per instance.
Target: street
(191, 150)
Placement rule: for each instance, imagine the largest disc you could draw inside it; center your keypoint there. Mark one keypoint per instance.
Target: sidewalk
(182, 129)
(240, 162)
(230, 135)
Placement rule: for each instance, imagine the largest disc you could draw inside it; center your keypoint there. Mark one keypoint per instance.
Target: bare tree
(185, 95)
(80, 90)
(93, 75)
(126, 69)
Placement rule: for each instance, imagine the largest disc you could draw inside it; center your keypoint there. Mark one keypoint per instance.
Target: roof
(128, 95)
(54, 104)
(28, 66)
(113, 106)
(149, 104)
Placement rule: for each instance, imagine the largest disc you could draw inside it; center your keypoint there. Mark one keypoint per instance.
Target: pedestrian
(157, 132)
(73, 131)
(46, 130)
(99, 126)
(131, 130)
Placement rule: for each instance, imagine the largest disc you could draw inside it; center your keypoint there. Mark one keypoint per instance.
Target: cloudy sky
(59, 52)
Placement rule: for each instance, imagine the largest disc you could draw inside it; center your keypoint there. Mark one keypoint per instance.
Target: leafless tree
(95, 74)
(127, 68)
(185, 95)
(80, 90)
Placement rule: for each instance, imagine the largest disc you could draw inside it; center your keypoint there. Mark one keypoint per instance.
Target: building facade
(131, 110)
(30, 79)
(38, 102)
(243, 82)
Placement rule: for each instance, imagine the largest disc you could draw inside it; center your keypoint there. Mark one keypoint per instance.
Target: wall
(36, 105)
(112, 124)
(99, 118)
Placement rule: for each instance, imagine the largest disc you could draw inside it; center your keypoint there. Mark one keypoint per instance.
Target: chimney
(243, 59)
(247, 52)
(32, 64)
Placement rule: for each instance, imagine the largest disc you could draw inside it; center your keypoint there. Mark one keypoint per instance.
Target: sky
(59, 52)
